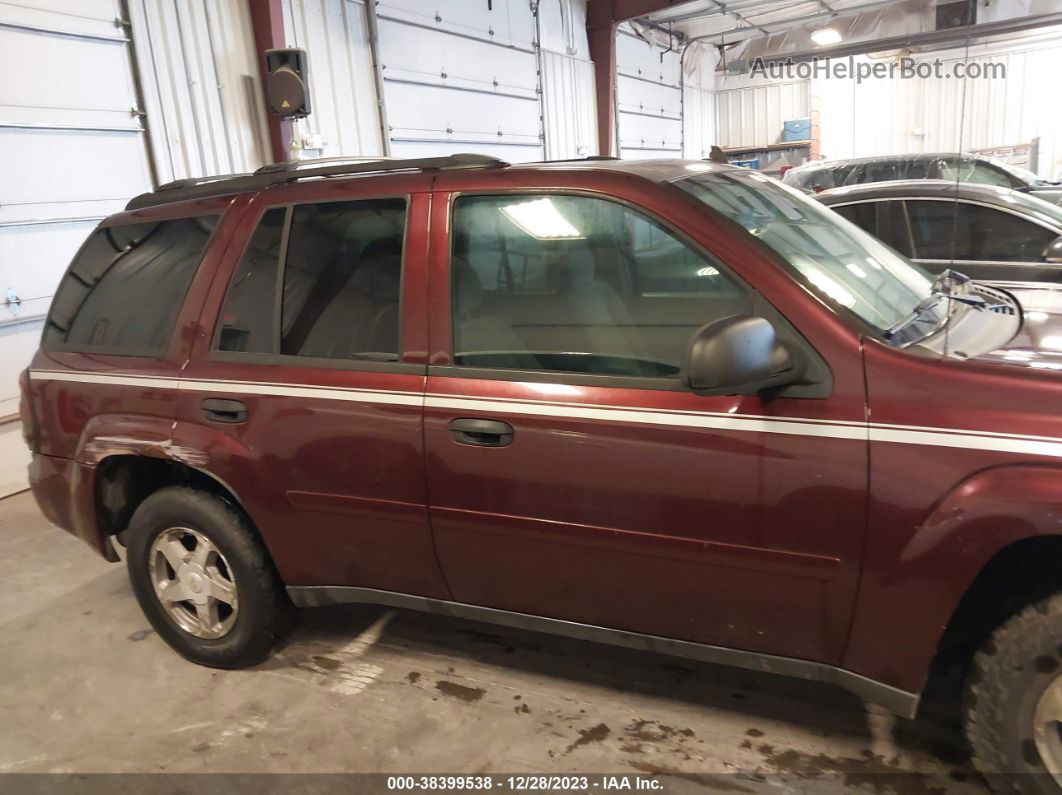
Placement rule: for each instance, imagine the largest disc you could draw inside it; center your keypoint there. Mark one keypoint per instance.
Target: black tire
(1009, 674)
(264, 609)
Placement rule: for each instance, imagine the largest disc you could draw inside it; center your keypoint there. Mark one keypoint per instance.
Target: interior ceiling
(745, 18)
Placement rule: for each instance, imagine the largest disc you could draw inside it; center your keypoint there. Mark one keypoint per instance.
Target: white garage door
(648, 95)
(461, 76)
(73, 151)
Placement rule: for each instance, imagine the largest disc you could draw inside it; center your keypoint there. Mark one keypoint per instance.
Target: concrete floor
(86, 686)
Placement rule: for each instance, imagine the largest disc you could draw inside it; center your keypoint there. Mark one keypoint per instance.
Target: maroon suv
(669, 405)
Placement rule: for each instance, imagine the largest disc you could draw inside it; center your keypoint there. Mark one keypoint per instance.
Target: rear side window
(126, 285)
(340, 279)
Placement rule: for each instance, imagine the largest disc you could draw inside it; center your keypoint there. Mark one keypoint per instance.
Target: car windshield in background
(846, 265)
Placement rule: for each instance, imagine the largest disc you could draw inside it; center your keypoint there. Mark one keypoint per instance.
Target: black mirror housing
(740, 354)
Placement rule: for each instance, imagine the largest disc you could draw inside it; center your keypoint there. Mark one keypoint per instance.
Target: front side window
(839, 260)
(247, 320)
(579, 285)
(126, 286)
(945, 230)
(340, 286)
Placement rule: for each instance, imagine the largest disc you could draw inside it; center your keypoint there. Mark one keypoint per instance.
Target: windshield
(847, 266)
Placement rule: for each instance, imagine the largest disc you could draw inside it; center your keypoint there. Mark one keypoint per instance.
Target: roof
(293, 171)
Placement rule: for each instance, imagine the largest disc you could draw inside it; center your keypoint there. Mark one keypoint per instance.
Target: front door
(572, 476)
(305, 398)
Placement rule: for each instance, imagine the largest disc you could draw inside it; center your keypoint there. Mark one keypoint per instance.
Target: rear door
(573, 477)
(304, 392)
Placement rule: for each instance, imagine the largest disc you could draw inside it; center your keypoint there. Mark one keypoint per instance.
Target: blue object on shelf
(796, 130)
(752, 163)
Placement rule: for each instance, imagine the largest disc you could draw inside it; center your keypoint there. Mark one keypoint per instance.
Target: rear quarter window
(126, 285)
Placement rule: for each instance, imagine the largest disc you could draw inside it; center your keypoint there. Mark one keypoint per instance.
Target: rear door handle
(482, 433)
(220, 410)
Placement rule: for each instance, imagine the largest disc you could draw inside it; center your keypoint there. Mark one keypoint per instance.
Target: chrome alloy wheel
(193, 582)
(1047, 728)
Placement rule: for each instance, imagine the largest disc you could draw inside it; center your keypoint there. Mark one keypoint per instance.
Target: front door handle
(482, 433)
(219, 410)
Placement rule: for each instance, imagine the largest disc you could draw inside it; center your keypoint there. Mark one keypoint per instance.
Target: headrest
(379, 272)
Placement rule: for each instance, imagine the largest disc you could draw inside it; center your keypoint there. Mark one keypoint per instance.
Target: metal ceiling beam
(724, 10)
(781, 24)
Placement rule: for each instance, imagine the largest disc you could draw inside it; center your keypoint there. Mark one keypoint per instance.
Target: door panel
(629, 502)
(329, 461)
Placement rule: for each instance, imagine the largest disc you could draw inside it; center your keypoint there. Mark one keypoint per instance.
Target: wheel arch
(124, 480)
(998, 528)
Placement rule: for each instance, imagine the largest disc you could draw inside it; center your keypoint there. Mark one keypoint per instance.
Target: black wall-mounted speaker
(288, 82)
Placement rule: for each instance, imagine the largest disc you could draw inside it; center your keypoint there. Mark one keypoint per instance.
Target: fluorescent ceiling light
(825, 36)
(540, 218)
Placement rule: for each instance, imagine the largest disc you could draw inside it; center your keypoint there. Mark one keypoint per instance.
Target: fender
(905, 602)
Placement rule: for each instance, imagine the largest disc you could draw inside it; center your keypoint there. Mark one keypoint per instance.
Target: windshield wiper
(944, 286)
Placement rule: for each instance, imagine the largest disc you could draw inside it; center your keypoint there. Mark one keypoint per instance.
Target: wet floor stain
(327, 663)
(413, 677)
(467, 694)
(140, 634)
(754, 733)
(870, 771)
(594, 734)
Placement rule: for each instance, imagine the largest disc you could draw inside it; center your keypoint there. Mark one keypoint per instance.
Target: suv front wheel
(1014, 702)
(203, 580)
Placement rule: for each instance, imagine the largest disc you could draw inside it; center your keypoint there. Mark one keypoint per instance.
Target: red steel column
(267, 21)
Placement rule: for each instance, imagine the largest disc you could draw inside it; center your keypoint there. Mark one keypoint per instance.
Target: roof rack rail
(281, 173)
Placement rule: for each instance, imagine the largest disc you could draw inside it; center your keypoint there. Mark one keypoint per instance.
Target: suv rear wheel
(1014, 702)
(203, 580)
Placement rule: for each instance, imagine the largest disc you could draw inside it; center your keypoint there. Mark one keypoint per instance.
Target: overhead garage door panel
(428, 56)
(437, 91)
(648, 95)
(638, 96)
(507, 22)
(67, 173)
(97, 91)
(425, 113)
(635, 56)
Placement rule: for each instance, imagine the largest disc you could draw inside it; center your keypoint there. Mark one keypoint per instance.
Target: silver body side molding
(893, 699)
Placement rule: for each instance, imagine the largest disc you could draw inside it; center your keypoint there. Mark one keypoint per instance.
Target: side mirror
(738, 355)
(1053, 252)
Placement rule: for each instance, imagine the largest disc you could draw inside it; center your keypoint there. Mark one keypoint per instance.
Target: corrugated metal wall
(752, 115)
(344, 119)
(648, 94)
(568, 96)
(927, 115)
(74, 151)
(201, 87)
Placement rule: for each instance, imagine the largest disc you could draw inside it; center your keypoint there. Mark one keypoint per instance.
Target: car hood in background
(1039, 342)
